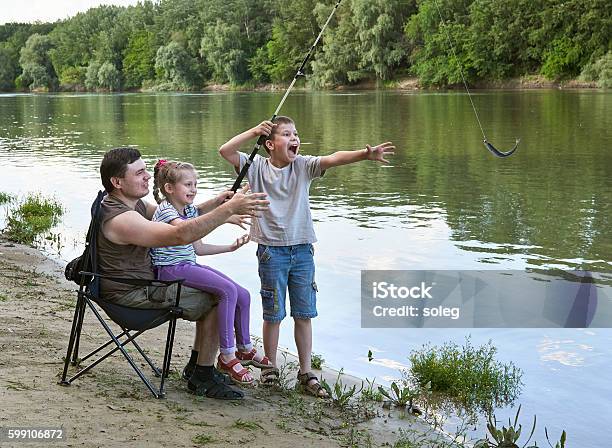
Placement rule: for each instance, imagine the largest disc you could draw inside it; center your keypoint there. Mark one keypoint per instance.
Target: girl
(177, 182)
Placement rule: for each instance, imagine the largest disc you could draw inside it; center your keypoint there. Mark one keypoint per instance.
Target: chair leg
(167, 354)
(81, 316)
(73, 337)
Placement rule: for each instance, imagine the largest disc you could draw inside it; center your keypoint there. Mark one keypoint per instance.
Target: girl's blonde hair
(167, 172)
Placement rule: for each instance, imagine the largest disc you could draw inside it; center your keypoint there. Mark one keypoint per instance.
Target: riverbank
(111, 406)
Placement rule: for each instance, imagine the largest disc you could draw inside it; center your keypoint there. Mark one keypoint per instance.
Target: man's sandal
(221, 377)
(213, 388)
(238, 376)
(310, 385)
(269, 377)
(248, 359)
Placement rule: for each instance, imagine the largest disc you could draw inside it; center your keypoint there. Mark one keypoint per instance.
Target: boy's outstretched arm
(229, 150)
(376, 153)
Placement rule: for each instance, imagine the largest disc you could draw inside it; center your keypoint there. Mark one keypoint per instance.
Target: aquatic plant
(340, 393)
(316, 361)
(508, 437)
(5, 197)
(32, 217)
(468, 377)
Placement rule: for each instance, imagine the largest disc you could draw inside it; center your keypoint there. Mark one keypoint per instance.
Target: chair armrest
(134, 281)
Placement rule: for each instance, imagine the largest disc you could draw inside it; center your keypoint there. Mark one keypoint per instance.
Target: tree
(174, 65)
(36, 64)
(109, 77)
(221, 48)
(8, 69)
(139, 59)
(91, 77)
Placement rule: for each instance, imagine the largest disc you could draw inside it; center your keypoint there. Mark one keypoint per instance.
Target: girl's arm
(229, 150)
(212, 249)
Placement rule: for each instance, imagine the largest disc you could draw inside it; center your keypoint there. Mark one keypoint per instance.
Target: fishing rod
(496, 152)
(300, 72)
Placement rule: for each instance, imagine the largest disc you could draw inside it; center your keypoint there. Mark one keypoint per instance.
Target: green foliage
(340, 393)
(402, 396)
(509, 437)
(371, 391)
(91, 76)
(38, 72)
(599, 71)
(221, 48)
(469, 377)
(5, 197)
(174, 65)
(561, 59)
(32, 217)
(8, 69)
(73, 76)
(316, 361)
(139, 59)
(108, 77)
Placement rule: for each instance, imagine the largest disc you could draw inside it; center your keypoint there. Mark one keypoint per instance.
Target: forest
(187, 45)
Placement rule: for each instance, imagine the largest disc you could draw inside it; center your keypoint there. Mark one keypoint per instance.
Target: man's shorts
(195, 303)
(287, 267)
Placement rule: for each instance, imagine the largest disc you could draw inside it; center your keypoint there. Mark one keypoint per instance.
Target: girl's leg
(200, 277)
(242, 315)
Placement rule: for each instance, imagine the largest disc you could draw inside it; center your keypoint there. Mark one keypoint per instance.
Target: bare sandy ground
(110, 407)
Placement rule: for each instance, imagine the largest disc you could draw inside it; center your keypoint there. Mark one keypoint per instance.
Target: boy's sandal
(310, 385)
(214, 388)
(248, 359)
(269, 377)
(236, 375)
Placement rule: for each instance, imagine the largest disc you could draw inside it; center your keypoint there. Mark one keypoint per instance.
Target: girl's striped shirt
(172, 255)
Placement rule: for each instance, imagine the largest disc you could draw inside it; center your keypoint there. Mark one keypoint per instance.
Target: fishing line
(488, 145)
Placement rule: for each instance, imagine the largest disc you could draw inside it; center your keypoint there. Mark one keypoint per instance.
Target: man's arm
(132, 228)
(376, 153)
(229, 150)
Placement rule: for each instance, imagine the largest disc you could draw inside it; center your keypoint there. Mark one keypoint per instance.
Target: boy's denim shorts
(287, 267)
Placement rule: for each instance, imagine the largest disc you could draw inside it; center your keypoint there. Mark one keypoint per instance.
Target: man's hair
(114, 164)
(281, 119)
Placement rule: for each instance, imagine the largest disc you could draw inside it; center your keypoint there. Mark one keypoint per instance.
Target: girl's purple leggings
(234, 301)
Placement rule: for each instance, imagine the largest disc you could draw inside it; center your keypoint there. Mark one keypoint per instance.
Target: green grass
(203, 439)
(33, 216)
(247, 424)
(468, 377)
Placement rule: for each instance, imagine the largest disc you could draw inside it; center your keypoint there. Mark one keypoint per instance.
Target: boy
(285, 232)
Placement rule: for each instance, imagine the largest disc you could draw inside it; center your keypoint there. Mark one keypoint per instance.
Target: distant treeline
(188, 44)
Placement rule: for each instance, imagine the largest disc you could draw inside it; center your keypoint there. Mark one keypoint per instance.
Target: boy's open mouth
(293, 149)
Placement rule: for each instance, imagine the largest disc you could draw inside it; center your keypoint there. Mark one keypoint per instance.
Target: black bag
(77, 265)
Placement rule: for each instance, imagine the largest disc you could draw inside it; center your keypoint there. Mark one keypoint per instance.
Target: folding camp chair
(133, 321)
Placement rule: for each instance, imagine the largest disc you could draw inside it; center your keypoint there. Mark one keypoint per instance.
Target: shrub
(468, 377)
(32, 217)
(599, 71)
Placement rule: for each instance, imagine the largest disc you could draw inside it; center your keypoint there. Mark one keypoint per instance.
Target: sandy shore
(110, 407)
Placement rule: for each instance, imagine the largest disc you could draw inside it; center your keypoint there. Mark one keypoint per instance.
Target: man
(126, 234)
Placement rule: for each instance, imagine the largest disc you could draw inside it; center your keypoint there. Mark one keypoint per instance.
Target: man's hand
(240, 242)
(240, 220)
(245, 203)
(378, 152)
(223, 196)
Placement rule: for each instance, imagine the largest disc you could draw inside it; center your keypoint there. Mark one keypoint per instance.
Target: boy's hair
(280, 119)
(167, 172)
(114, 164)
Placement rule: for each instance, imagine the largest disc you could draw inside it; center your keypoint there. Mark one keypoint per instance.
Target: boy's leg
(303, 300)
(274, 264)
(303, 340)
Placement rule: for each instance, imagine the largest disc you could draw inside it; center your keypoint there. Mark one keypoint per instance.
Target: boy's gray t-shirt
(288, 220)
